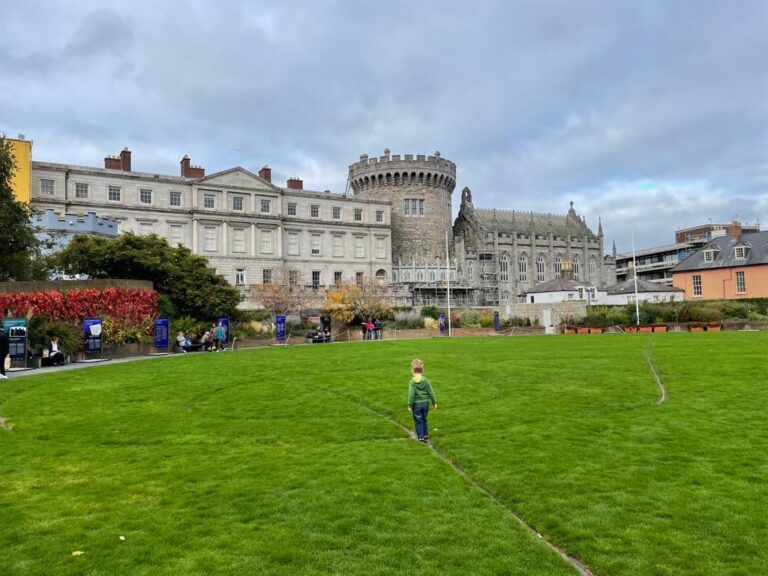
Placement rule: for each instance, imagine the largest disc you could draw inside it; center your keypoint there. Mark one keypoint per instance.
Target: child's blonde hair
(417, 366)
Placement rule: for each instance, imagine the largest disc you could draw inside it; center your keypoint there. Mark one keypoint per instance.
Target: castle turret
(419, 188)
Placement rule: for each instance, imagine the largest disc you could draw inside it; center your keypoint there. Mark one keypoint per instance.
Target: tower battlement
(406, 170)
(419, 188)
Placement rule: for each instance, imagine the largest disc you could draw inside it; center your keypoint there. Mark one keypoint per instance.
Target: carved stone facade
(502, 254)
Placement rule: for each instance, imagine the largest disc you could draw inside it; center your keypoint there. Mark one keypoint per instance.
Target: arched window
(420, 276)
(522, 268)
(381, 276)
(558, 265)
(504, 268)
(406, 276)
(576, 267)
(540, 268)
(471, 270)
(592, 269)
(432, 275)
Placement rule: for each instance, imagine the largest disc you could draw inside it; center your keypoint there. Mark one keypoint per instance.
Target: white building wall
(623, 299)
(254, 256)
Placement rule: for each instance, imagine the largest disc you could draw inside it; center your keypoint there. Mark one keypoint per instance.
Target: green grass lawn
(284, 461)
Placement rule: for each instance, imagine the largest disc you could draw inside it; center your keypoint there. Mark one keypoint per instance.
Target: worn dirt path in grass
(659, 382)
(572, 560)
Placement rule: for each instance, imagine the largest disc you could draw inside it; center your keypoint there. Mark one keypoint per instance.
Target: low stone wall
(558, 312)
(69, 285)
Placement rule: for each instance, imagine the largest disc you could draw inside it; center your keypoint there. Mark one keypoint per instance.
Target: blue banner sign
(16, 329)
(496, 321)
(162, 326)
(224, 321)
(92, 331)
(280, 328)
(441, 322)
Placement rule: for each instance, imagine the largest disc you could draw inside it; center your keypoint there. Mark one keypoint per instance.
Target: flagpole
(448, 276)
(634, 271)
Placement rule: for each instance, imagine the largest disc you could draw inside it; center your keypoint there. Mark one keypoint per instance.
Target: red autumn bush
(123, 311)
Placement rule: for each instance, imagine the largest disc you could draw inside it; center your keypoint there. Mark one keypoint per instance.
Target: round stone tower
(419, 188)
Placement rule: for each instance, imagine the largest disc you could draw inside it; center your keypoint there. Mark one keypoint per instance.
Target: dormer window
(709, 255)
(740, 252)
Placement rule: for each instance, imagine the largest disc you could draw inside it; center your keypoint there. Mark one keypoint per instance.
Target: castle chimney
(734, 230)
(190, 171)
(125, 160)
(112, 163)
(185, 162)
(266, 173)
(295, 184)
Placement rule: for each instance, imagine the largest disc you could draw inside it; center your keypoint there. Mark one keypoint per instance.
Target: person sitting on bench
(205, 341)
(183, 342)
(54, 352)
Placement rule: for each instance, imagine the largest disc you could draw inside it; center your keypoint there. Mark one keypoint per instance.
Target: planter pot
(659, 328)
(713, 328)
(697, 329)
(646, 328)
(595, 330)
(583, 330)
(570, 331)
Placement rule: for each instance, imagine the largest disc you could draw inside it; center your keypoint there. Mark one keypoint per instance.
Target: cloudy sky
(650, 114)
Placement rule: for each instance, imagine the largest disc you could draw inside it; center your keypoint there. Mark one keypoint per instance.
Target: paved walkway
(80, 365)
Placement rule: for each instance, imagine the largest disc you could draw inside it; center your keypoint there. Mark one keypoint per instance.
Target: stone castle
(495, 255)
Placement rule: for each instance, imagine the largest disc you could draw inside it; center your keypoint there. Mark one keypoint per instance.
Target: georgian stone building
(251, 230)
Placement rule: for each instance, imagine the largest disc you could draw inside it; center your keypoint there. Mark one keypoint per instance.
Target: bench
(195, 347)
(40, 361)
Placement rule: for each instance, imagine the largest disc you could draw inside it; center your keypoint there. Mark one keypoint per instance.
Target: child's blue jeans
(420, 412)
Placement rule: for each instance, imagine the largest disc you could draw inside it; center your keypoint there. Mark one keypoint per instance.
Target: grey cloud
(537, 103)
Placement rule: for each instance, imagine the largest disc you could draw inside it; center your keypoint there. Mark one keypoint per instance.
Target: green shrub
(486, 321)
(735, 310)
(430, 312)
(193, 329)
(41, 329)
(755, 316)
(470, 319)
(405, 321)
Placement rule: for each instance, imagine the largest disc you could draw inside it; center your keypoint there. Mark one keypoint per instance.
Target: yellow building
(22, 179)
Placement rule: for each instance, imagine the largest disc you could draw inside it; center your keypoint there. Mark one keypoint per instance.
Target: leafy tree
(17, 234)
(350, 301)
(188, 286)
(281, 296)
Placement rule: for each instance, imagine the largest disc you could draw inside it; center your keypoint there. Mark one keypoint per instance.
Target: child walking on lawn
(419, 395)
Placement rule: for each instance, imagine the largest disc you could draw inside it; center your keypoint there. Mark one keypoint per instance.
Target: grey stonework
(501, 254)
(547, 315)
(429, 180)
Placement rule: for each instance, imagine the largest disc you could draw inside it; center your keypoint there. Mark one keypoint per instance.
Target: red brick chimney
(295, 184)
(266, 173)
(190, 171)
(112, 163)
(734, 230)
(125, 160)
